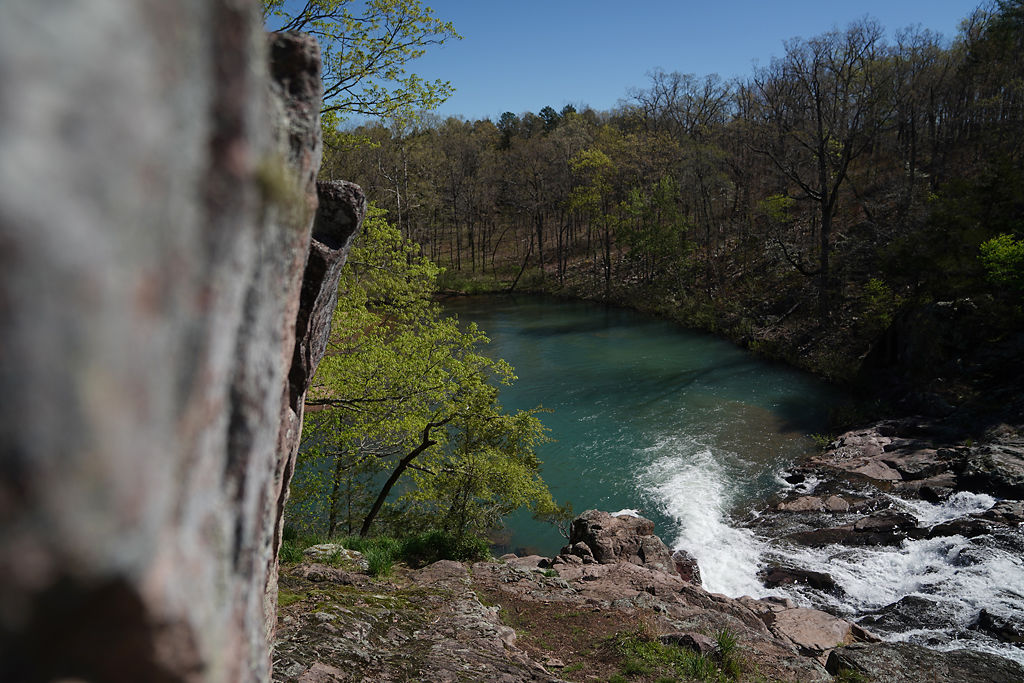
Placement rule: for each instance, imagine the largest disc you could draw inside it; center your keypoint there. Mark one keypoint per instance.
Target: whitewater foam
(690, 484)
(956, 506)
(698, 486)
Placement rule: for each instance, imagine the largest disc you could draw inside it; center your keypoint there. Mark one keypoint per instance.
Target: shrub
(822, 440)
(728, 653)
(426, 548)
(1003, 259)
(879, 304)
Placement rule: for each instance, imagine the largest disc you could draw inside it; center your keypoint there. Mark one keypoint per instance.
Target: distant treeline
(853, 176)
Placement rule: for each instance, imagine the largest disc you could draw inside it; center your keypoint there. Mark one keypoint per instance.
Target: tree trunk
(403, 465)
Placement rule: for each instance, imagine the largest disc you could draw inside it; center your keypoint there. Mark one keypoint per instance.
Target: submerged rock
(1005, 625)
(775, 576)
(910, 612)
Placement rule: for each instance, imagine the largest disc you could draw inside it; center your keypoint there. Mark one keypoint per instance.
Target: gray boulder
(909, 663)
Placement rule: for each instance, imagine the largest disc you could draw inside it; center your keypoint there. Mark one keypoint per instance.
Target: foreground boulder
(157, 193)
(610, 538)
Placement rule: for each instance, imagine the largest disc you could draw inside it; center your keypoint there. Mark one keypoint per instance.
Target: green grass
(380, 562)
(850, 676)
(290, 553)
(644, 655)
(431, 546)
(382, 552)
(285, 597)
(728, 654)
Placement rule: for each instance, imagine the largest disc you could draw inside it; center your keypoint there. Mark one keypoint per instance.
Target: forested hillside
(853, 207)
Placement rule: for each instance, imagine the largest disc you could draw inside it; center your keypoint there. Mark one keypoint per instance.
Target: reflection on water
(682, 425)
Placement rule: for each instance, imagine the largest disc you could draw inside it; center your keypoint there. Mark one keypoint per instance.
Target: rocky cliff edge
(615, 591)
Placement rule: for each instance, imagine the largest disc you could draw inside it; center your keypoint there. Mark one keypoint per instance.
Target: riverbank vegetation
(404, 432)
(855, 207)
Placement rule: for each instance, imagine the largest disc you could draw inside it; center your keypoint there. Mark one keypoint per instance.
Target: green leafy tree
(592, 197)
(1003, 259)
(366, 47)
(655, 233)
(404, 390)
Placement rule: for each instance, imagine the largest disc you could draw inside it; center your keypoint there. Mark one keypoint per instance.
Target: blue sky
(524, 54)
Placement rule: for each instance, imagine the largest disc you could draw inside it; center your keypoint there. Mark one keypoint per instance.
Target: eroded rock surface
(156, 200)
(532, 619)
(608, 538)
(909, 663)
(435, 623)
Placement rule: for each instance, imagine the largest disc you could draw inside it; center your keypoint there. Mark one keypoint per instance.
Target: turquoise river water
(680, 425)
(694, 432)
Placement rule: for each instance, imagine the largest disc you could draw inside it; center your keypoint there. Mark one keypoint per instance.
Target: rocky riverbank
(909, 529)
(575, 617)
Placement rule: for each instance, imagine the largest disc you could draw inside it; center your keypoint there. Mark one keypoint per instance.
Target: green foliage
(879, 304)
(778, 208)
(644, 655)
(945, 260)
(405, 400)
(290, 552)
(365, 48)
(380, 562)
(1003, 259)
(469, 284)
(822, 440)
(655, 232)
(728, 654)
(286, 597)
(850, 676)
(850, 156)
(429, 547)
(559, 516)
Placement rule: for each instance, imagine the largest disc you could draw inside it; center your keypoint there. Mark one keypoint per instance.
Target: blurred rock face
(157, 194)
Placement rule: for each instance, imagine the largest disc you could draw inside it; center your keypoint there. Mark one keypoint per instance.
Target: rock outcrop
(607, 538)
(915, 664)
(434, 623)
(536, 619)
(903, 484)
(156, 206)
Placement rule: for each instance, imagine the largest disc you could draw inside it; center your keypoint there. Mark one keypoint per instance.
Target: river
(680, 425)
(696, 433)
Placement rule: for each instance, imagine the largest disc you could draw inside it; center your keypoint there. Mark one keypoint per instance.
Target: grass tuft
(380, 561)
(643, 655)
(290, 553)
